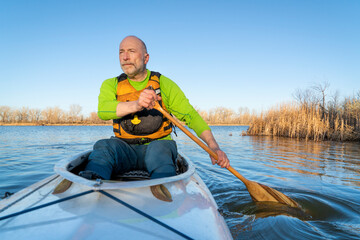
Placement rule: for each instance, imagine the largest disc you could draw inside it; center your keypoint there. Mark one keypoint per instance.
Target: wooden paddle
(257, 191)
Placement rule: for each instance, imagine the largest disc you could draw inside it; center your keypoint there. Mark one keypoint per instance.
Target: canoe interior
(78, 164)
(69, 169)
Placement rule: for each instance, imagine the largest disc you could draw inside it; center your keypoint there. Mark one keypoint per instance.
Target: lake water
(324, 178)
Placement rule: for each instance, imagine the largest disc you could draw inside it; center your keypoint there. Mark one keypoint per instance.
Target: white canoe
(100, 214)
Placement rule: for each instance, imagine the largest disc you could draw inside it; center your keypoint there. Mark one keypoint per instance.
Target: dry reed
(309, 122)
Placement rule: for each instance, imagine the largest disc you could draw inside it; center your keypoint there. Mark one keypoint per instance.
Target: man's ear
(146, 59)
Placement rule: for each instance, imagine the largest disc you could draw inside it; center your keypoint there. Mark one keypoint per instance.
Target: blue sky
(233, 54)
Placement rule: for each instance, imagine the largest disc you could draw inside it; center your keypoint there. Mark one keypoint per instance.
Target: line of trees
(50, 115)
(55, 115)
(315, 115)
(223, 115)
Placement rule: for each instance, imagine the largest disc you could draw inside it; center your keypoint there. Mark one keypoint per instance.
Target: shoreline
(94, 124)
(227, 124)
(55, 124)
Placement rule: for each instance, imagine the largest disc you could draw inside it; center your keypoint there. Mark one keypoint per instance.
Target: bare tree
(221, 115)
(306, 98)
(34, 115)
(46, 114)
(334, 102)
(18, 117)
(94, 118)
(322, 88)
(243, 116)
(23, 115)
(74, 113)
(53, 115)
(5, 114)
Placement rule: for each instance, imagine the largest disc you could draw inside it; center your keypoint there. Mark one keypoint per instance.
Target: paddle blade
(262, 193)
(161, 193)
(62, 186)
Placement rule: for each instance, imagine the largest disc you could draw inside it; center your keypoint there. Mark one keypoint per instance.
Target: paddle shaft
(197, 140)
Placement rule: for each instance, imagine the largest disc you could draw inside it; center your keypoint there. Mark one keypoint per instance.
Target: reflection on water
(324, 178)
(336, 161)
(271, 209)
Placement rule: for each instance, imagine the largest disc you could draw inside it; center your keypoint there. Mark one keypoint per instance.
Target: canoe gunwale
(62, 167)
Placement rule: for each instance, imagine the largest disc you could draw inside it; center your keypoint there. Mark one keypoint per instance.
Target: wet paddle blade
(262, 193)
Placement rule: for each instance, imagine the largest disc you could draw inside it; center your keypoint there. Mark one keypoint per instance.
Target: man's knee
(163, 147)
(101, 143)
(160, 158)
(111, 143)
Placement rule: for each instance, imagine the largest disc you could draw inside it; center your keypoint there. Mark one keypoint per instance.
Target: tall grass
(310, 122)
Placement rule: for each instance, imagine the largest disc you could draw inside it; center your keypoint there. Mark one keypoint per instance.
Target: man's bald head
(137, 40)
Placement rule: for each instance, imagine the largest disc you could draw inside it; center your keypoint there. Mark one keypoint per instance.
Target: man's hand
(222, 161)
(209, 139)
(147, 99)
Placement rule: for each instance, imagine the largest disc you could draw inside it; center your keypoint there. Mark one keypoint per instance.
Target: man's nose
(125, 56)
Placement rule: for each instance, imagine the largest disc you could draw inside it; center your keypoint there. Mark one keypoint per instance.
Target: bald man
(142, 138)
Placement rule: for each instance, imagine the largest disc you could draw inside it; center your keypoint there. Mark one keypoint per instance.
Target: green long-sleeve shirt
(172, 96)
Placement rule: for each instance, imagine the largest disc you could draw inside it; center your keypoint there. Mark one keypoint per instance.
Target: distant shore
(94, 124)
(55, 124)
(225, 124)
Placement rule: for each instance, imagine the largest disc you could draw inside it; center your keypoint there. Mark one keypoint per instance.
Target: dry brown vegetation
(48, 116)
(311, 117)
(223, 115)
(55, 115)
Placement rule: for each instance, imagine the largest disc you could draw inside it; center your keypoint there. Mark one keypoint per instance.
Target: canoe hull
(192, 212)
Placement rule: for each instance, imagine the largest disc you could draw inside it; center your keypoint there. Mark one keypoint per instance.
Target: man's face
(133, 57)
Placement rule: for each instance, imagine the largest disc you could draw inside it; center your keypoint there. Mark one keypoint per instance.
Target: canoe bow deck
(192, 212)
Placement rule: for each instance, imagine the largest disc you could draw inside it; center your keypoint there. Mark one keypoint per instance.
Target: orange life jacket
(143, 126)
